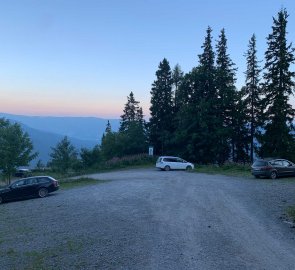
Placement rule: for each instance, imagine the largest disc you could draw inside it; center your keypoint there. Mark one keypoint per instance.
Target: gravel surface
(149, 219)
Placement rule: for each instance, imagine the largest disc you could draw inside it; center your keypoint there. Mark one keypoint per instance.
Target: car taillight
(55, 183)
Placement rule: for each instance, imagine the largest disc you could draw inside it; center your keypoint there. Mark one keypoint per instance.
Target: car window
(31, 181)
(277, 163)
(180, 160)
(260, 163)
(19, 183)
(286, 163)
(43, 180)
(159, 160)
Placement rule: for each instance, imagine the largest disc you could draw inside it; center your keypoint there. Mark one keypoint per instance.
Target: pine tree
(278, 139)
(252, 93)
(63, 156)
(108, 127)
(132, 130)
(207, 68)
(160, 125)
(241, 136)
(225, 79)
(195, 136)
(132, 113)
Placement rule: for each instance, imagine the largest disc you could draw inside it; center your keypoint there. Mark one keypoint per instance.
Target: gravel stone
(149, 219)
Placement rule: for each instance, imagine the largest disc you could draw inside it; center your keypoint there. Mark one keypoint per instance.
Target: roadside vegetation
(79, 182)
(291, 213)
(231, 169)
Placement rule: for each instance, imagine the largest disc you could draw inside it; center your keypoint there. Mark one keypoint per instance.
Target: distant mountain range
(46, 131)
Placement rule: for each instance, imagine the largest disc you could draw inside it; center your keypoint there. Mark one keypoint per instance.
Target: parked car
(173, 163)
(38, 186)
(273, 168)
(23, 173)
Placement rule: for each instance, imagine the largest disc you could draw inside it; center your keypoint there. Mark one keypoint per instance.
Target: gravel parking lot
(149, 219)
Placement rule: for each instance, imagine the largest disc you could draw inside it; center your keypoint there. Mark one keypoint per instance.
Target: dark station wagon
(38, 186)
(273, 168)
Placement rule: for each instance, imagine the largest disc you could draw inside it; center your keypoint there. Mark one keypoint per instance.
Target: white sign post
(151, 151)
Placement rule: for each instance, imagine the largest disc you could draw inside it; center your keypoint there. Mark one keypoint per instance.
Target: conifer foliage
(252, 93)
(226, 91)
(278, 139)
(160, 125)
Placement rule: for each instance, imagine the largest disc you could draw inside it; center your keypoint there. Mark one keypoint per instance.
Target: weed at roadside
(79, 182)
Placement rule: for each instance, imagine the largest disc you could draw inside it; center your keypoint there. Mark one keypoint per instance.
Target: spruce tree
(278, 139)
(252, 93)
(132, 131)
(63, 156)
(196, 131)
(241, 136)
(160, 125)
(225, 80)
(131, 113)
(108, 127)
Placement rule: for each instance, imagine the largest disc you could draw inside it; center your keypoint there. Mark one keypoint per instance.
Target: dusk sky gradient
(82, 58)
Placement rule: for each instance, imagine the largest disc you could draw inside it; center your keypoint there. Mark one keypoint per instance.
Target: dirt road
(148, 219)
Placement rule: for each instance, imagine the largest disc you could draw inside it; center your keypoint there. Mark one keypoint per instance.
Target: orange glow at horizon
(41, 107)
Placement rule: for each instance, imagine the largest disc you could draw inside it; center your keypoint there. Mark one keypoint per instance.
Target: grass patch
(231, 169)
(291, 213)
(79, 182)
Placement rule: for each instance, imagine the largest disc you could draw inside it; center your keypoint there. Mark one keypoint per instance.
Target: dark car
(273, 168)
(38, 186)
(23, 173)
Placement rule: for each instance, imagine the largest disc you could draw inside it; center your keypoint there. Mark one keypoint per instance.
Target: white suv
(173, 163)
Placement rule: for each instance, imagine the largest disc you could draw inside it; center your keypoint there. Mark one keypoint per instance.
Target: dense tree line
(202, 116)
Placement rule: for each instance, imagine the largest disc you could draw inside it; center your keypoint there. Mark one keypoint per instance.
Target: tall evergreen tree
(225, 83)
(108, 127)
(252, 93)
(278, 139)
(204, 97)
(63, 156)
(207, 68)
(160, 125)
(196, 131)
(132, 130)
(240, 123)
(131, 113)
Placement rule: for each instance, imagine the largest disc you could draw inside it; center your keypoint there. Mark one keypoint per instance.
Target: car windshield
(260, 163)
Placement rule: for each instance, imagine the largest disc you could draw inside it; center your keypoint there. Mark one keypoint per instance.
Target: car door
(18, 190)
(181, 164)
(288, 167)
(279, 167)
(173, 163)
(31, 187)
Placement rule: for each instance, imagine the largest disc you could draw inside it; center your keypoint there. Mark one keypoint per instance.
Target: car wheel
(188, 168)
(43, 192)
(273, 175)
(167, 168)
(1, 200)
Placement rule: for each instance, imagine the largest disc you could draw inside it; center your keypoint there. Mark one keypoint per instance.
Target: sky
(83, 58)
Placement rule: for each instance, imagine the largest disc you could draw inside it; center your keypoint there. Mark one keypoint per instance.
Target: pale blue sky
(84, 57)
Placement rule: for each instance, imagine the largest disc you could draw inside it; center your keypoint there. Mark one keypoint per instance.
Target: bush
(132, 160)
